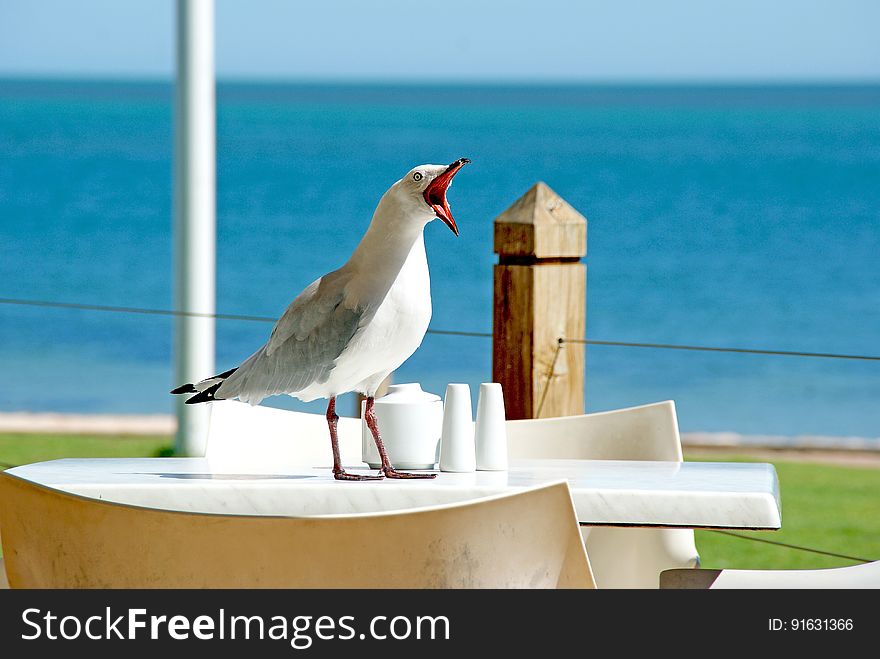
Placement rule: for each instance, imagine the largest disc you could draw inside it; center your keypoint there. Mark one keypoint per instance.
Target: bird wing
(304, 345)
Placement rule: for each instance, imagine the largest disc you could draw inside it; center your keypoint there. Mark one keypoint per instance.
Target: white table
(605, 492)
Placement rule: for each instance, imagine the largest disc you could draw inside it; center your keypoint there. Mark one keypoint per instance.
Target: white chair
(855, 576)
(528, 539)
(621, 557)
(242, 435)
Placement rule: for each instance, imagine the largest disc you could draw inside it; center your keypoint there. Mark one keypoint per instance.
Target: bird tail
(204, 391)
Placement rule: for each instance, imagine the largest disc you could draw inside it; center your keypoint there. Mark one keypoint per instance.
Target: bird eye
(418, 176)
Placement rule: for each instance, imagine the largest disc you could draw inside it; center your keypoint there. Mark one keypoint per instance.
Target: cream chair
(621, 557)
(854, 576)
(53, 539)
(240, 435)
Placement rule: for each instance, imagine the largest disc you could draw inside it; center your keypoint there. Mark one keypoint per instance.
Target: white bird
(351, 328)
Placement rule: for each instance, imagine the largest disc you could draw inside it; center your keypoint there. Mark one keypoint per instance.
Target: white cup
(490, 436)
(457, 440)
(409, 422)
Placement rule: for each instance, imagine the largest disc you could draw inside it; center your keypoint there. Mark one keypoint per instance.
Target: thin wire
(749, 351)
(196, 314)
(152, 312)
(460, 333)
(269, 319)
(547, 380)
(790, 546)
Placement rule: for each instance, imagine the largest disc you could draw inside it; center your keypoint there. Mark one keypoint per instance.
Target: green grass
(22, 448)
(826, 507)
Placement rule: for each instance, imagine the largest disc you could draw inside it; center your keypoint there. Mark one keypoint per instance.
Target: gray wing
(303, 347)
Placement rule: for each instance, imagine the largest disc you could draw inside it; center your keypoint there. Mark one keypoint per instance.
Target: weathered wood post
(540, 296)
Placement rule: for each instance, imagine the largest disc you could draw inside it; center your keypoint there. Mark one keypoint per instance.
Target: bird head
(425, 187)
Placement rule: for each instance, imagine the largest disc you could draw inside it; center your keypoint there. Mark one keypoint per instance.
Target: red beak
(435, 193)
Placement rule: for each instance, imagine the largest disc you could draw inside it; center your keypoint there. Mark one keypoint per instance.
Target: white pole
(194, 213)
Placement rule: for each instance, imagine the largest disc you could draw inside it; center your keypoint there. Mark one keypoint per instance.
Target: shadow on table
(227, 477)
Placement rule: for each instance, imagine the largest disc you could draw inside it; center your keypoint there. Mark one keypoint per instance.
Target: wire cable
(447, 332)
(790, 546)
(747, 351)
(140, 310)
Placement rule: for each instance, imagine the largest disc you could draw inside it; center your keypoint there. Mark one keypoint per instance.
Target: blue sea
(728, 216)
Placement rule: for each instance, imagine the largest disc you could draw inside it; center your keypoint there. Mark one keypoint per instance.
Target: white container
(457, 442)
(490, 434)
(409, 422)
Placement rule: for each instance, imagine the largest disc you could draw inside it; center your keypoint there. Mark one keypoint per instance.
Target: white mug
(409, 422)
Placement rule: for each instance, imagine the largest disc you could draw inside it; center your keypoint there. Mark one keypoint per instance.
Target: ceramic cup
(457, 440)
(409, 423)
(490, 433)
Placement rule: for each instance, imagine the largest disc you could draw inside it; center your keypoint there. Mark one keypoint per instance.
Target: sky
(457, 40)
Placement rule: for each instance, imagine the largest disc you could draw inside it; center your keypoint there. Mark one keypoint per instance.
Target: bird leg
(338, 472)
(387, 468)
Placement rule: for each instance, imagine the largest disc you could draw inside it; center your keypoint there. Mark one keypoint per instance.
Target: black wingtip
(226, 374)
(204, 397)
(191, 388)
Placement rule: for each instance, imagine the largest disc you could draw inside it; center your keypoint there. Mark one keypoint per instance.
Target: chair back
(242, 435)
(647, 432)
(621, 557)
(850, 577)
(53, 539)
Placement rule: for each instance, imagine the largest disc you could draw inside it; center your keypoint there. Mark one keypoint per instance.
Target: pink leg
(338, 472)
(387, 469)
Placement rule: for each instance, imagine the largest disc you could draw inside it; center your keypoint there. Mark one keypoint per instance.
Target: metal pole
(194, 213)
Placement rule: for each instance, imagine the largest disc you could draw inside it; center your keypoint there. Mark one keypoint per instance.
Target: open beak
(435, 193)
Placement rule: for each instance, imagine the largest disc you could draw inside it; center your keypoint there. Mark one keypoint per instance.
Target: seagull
(350, 329)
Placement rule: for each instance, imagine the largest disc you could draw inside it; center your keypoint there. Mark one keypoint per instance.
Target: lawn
(21, 448)
(832, 508)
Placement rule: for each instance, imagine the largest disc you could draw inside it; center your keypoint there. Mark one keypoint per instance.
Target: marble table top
(605, 492)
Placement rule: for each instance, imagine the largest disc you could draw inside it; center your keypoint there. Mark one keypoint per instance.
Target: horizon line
(7, 76)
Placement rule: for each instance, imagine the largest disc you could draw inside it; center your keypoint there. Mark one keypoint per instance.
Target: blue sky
(425, 40)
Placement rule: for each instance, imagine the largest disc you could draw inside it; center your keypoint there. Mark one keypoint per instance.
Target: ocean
(719, 216)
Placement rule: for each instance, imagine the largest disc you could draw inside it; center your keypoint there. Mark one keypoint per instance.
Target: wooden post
(540, 297)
